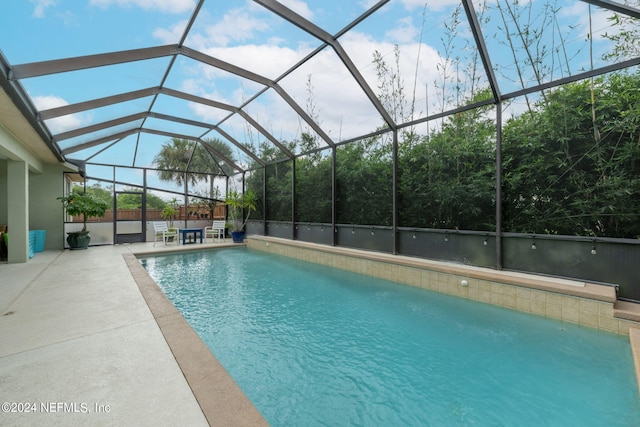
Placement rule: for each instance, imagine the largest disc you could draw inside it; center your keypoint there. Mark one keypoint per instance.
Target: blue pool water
(311, 345)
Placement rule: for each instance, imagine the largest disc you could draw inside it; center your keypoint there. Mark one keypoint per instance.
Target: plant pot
(237, 236)
(78, 240)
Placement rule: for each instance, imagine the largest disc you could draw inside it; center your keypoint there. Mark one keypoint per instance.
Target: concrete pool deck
(79, 345)
(88, 339)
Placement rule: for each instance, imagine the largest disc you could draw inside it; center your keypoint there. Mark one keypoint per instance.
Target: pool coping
(220, 398)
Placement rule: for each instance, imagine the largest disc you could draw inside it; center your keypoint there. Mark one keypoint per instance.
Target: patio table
(192, 233)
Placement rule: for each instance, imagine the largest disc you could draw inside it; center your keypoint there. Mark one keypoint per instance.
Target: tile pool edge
(577, 302)
(220, 398)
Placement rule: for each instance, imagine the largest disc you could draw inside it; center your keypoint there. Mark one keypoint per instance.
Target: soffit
(12, 119)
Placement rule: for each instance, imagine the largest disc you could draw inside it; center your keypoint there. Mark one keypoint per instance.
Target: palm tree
(181, 159)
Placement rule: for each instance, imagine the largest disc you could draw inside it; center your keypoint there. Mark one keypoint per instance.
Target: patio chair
(162, 231)
(216, 229)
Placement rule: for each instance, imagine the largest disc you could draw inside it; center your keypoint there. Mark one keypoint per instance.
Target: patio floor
(80, 346)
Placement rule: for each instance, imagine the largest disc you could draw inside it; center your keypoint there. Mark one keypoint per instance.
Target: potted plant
(239, 204)
(87, 205)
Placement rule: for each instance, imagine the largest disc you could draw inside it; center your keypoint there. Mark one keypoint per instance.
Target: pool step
(626, 310)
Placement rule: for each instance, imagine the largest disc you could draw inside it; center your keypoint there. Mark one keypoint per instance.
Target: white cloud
(368, 4)
(577, 39)
(431, 5)
(344, 109)
(418, 63)
(237, 25)
(265, 59)
(47, 102)
(208, 114)
(170, 35)
(405, 32)
(41, 6)
(579, 13)
(59, 124)
(168, 6)
(299, 7)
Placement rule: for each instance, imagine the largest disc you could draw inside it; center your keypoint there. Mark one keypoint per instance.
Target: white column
(18, 211)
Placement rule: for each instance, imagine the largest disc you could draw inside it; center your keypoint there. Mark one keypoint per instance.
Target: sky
(434, 66)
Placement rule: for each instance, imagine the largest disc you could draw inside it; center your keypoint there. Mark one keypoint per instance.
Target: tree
(363, 178)
(560, 178)
(104, 194)
(448, 180)
(279, 183)
(132, 201)
(313, 189)
(181, 160)
(155, 202)
(85, 204)
(626, 38)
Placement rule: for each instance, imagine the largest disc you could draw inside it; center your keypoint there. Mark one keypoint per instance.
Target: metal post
(293, 199)
(394, 230)
(186, 198)
(334, 231)
(264, 201)
(499, 185)
(144, 205)
(115, 201)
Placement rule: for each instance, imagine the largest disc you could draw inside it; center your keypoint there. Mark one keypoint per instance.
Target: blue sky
(436, 53)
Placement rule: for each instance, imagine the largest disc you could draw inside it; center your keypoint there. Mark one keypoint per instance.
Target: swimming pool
(314, 346)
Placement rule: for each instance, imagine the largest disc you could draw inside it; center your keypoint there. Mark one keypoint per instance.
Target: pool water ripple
(315, 346)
